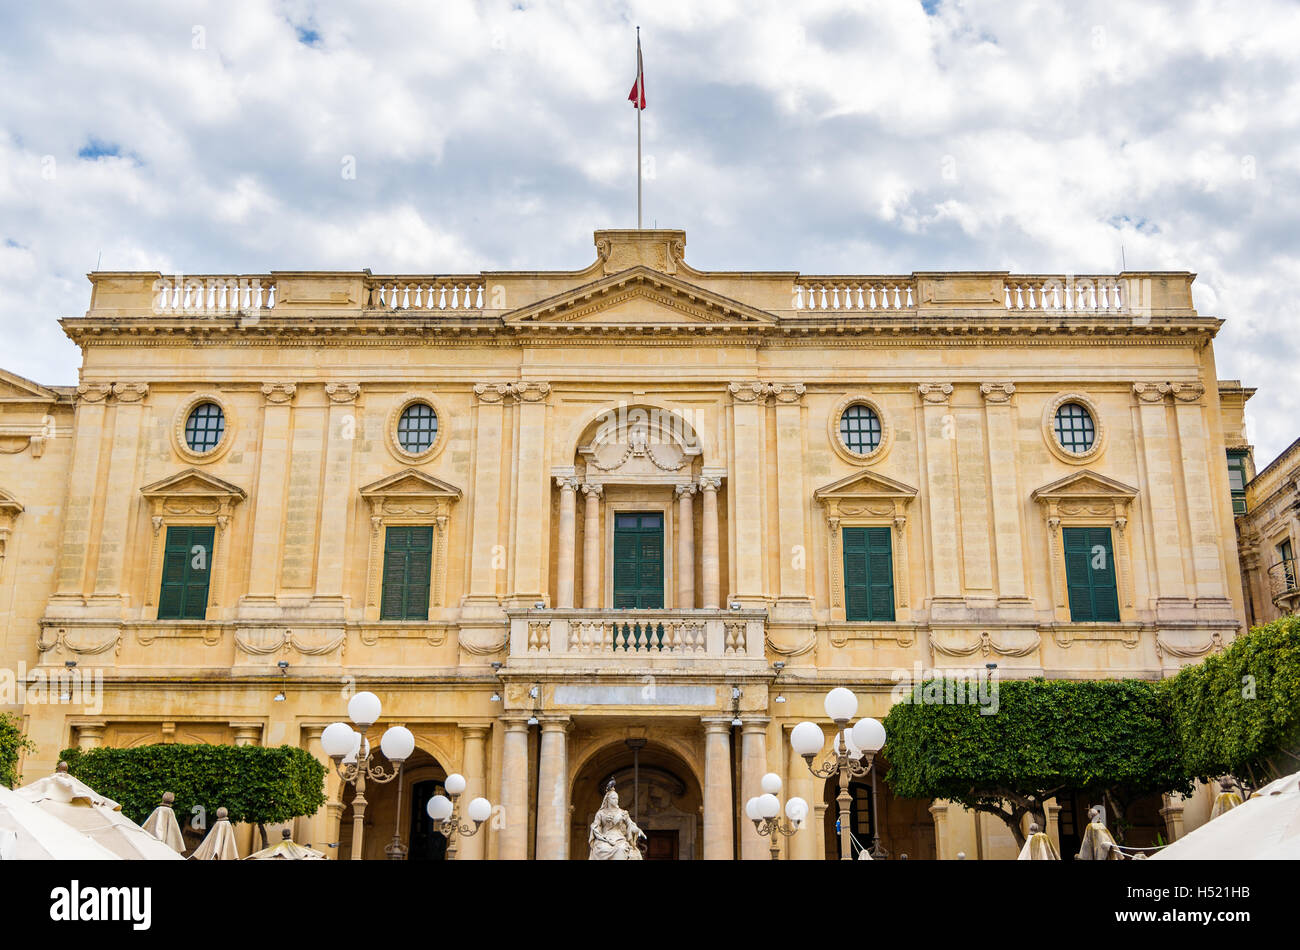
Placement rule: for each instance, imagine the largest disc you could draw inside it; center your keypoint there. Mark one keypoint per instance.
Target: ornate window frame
(408, 497)
(182, 416)
(1099, 428)
(865, 499)
(886, 430)
(1086, 499)
(10, 509)
(395, 416)
(190, 497)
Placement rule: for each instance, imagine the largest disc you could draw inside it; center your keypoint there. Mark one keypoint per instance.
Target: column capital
(750, 392)
(530, 391)
(477, 730)
(935, 394)
(997, 393)
(716, 724)
(279, 394)
(1151, 392)
(567, 483)
(787, 392)
(342, 392)
(710, 483)
(491, 393)
(93, 392)
(755, 724)
(688, 489)
(130, 392)
(515, 723)
(556, 723)
(592, 490)
(1187, 392)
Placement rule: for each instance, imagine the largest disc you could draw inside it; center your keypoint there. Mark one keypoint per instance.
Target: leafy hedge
(255, 784)
(13, 743)
(1238, 712)
(1047, 738)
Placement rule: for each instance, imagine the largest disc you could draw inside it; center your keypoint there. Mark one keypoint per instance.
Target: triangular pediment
(193, 483)
(410, 483)
(15, 388)
(864, 485)
(1083, 485)
(639, 297)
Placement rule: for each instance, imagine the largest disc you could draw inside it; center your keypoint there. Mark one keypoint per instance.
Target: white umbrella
(1266, 826)
(219, 845)
(1038, 846)
(162, 824)
(29, 834)
(286, 850)
(76, 803)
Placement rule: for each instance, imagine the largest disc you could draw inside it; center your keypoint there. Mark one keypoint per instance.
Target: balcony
(637, 639)
(1282, 580)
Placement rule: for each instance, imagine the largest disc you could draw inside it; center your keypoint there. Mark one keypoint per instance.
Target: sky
(881, 136)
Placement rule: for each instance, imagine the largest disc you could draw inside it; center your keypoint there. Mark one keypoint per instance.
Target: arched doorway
(422, 777)
(888, 826)
(656, 786)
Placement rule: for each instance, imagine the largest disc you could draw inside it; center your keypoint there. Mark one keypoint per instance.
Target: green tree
(13, 743)
(1238, 712)
(254, 784)
(1047, 738)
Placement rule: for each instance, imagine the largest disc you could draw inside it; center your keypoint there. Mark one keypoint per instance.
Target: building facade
(630, 521)
(1268, 532)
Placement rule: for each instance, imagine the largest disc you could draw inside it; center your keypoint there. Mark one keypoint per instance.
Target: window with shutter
(1090, 575)
(186, 569)
(868, 574)
(639, 560)
(408, 566)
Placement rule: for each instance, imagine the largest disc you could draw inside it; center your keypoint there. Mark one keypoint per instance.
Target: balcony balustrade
(637, 635)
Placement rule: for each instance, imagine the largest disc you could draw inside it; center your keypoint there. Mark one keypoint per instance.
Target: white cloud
(829, 137)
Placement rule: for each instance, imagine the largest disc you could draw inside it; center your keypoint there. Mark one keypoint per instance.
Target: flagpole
(639, 93)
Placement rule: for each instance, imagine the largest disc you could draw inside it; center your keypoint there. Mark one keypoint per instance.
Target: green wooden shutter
(187, 568)
(1090, 575)
(639, 560)
(408, 565)
(868, 574)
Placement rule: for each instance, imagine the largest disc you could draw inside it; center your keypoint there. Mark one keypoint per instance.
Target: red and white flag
(637, 95)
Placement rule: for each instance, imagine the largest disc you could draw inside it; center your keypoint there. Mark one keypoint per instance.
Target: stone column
(90, 735)
(819, 827)
(568, 540)
(338, 490)
(531, 512)
(553, 792)
(246, 734)
(268, 517)
(1006, 493)
(719, 819)
(1170, 584)
(514, 792)
(791, 499)
(120, 492)
(753, 766)
(745, 491)
(483, 579)
(941, 491)
(685, 548)
(710, 559)
(322, 828)
(474, 768)
(593, 575)
(83, 490)
(801, 783)
(1202, 505)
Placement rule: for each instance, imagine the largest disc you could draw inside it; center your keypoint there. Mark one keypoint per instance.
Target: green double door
(639, 560)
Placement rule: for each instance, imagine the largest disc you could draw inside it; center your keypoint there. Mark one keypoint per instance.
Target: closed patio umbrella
(219, 845)
(1266, 827)
(29, 834)
(1226, 800)
(77, 804)
(162, 824)
(286, 850)
(1038, 846)
(1098, 845)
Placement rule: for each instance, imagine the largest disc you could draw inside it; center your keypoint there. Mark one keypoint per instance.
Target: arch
(422, 774)
(898, 826)
(580, 431)
(666, 799)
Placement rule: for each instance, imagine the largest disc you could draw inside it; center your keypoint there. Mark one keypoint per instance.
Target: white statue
(613, 835)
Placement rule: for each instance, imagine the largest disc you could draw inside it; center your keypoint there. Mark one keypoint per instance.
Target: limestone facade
(1269, 537)
(711, 406)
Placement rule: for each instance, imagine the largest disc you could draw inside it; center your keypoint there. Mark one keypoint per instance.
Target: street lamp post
(765, 810)
(350, 751)
(446, 815)
(852, 748)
